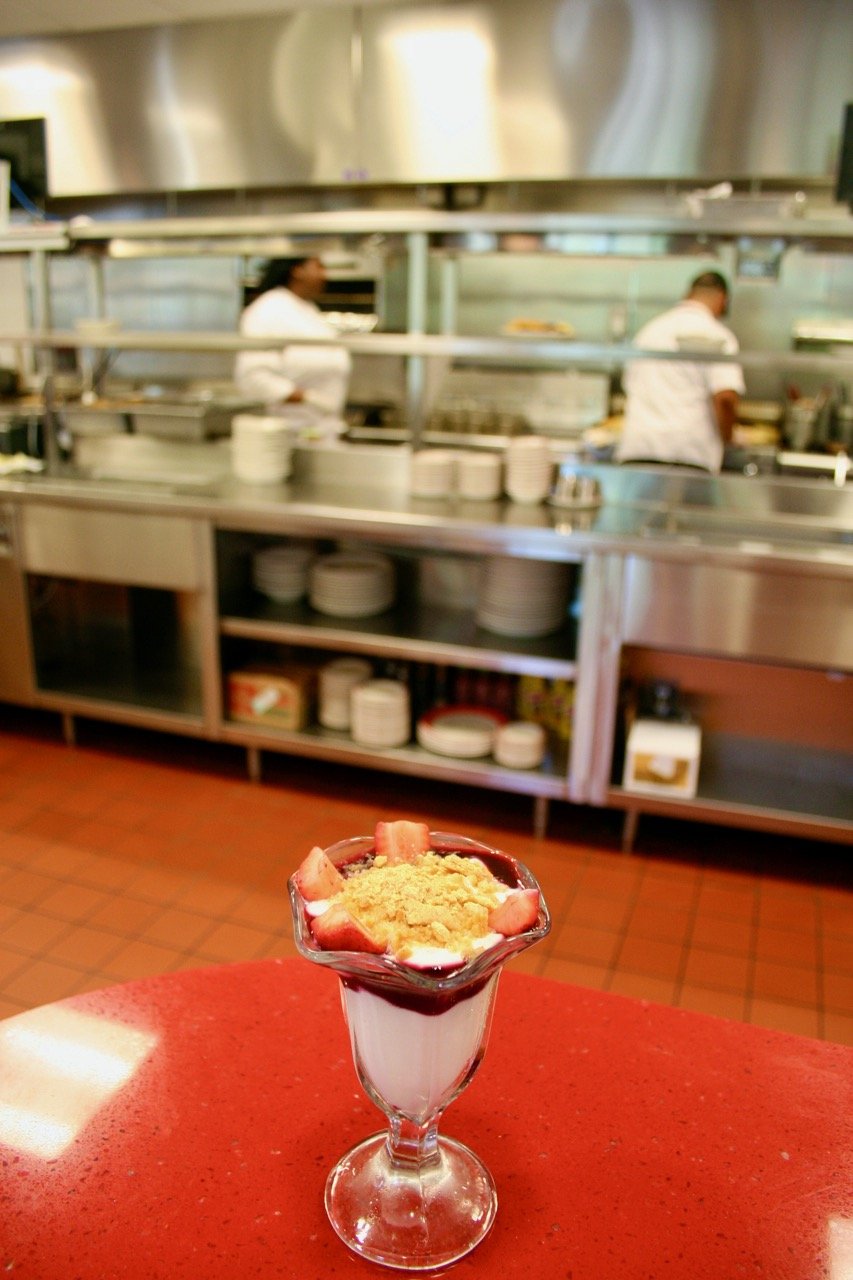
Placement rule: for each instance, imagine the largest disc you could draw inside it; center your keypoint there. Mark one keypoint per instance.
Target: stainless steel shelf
(479, 349)
(415, 633)
(549, 782)
(767, 785)
(119, 707)
(371, 222)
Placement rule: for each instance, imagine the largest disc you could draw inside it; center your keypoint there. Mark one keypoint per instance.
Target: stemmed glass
(407, 1197)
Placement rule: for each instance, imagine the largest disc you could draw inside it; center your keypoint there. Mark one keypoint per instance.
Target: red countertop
(182, 1127)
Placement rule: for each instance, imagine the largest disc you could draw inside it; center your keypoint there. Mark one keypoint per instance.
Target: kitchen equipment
(574, 491)
(8, 383)
(191, 417)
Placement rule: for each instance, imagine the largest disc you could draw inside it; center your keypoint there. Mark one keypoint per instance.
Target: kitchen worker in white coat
(306, 385)
(682, 412)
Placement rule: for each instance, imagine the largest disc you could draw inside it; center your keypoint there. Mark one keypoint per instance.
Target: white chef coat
(669, 412)
(322, 373)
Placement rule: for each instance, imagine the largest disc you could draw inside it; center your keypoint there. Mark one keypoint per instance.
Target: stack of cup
(338, 678)
(479, 474)
(529, 469)
(380, 713)
(260, 448)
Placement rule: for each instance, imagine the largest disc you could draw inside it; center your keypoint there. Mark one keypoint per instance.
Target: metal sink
(718, 526)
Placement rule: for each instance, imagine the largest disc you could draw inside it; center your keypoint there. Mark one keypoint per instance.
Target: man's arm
(725, 408)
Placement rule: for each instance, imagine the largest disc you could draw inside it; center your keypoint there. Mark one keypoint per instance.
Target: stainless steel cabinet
(119, 607)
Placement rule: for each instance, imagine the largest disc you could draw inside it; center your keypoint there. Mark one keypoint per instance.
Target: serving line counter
(182, 1120)
(138, 601)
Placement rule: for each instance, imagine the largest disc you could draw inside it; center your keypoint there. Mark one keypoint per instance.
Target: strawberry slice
(401, 841)
(337, 930)
(317, 877)
(516, 913)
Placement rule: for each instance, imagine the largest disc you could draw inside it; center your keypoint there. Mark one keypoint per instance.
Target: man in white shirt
(306, 385)
(682, 412)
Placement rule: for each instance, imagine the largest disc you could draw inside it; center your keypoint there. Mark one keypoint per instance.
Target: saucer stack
(529, 469)
(337, 681)
(260, 448)
(432, 473)
(479, 475)
(281, 572)
(351, 585)
(520, 745)
(522, 597)
(380, 713)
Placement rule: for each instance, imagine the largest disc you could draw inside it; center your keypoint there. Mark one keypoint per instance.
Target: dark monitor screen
(23, 144)
(844, 184)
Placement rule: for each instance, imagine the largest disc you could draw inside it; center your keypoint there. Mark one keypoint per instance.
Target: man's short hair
(711, 280)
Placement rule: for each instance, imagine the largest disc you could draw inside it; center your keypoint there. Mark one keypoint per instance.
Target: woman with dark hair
(303, 383)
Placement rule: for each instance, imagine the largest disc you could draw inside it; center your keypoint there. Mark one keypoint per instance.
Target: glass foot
(413, 1217)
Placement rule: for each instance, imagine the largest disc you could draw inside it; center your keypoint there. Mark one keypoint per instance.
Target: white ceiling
(52, 17)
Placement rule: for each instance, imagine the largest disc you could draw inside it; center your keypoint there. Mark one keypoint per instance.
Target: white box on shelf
(662, 758)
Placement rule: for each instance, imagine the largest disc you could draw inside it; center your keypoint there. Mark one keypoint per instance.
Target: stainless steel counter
(660, 513)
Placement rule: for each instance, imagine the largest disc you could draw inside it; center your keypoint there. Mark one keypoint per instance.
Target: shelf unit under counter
(411, 632)
(752, 783)
(428, 641)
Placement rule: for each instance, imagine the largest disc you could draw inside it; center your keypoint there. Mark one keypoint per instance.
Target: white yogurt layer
(415, 1061)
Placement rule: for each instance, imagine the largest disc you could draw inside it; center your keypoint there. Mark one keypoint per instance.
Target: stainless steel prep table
(766, 567)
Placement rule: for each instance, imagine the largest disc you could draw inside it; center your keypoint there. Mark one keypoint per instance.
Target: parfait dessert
(417, 925)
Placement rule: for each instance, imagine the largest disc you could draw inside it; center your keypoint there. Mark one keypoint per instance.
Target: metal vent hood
(442, 93)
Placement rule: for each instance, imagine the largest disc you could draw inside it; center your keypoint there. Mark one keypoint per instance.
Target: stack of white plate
(520, 745)
(462, 732)
(432, 473)
(522, 597)
(260, 448)
(479, 474)
(352, 585)
(529, 469)
(338, 678)
(281, 571)
(379, 713)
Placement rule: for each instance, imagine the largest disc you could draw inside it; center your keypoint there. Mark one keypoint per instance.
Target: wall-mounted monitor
(23, 143)
(844, 183)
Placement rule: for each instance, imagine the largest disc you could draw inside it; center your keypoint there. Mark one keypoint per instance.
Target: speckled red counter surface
(183, 1127)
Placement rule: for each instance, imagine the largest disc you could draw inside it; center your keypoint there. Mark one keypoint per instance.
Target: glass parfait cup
(407, 1197)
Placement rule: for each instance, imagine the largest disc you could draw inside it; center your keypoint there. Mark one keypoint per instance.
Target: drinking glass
(407, 1197)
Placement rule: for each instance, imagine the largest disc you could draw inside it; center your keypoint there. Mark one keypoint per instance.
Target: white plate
(462, 732)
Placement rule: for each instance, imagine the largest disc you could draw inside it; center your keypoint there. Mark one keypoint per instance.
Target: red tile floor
(135, 853)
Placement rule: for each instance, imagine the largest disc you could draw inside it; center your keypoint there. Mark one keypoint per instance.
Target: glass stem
(410, 1144)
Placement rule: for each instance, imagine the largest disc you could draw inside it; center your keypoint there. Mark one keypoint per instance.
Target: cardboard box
(662, 758)
(282, 697)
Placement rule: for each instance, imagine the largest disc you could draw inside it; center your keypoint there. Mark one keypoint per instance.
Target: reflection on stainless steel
(427, 92)
(737, 612)
(179, 108)
(708, 526)
(581, 87)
